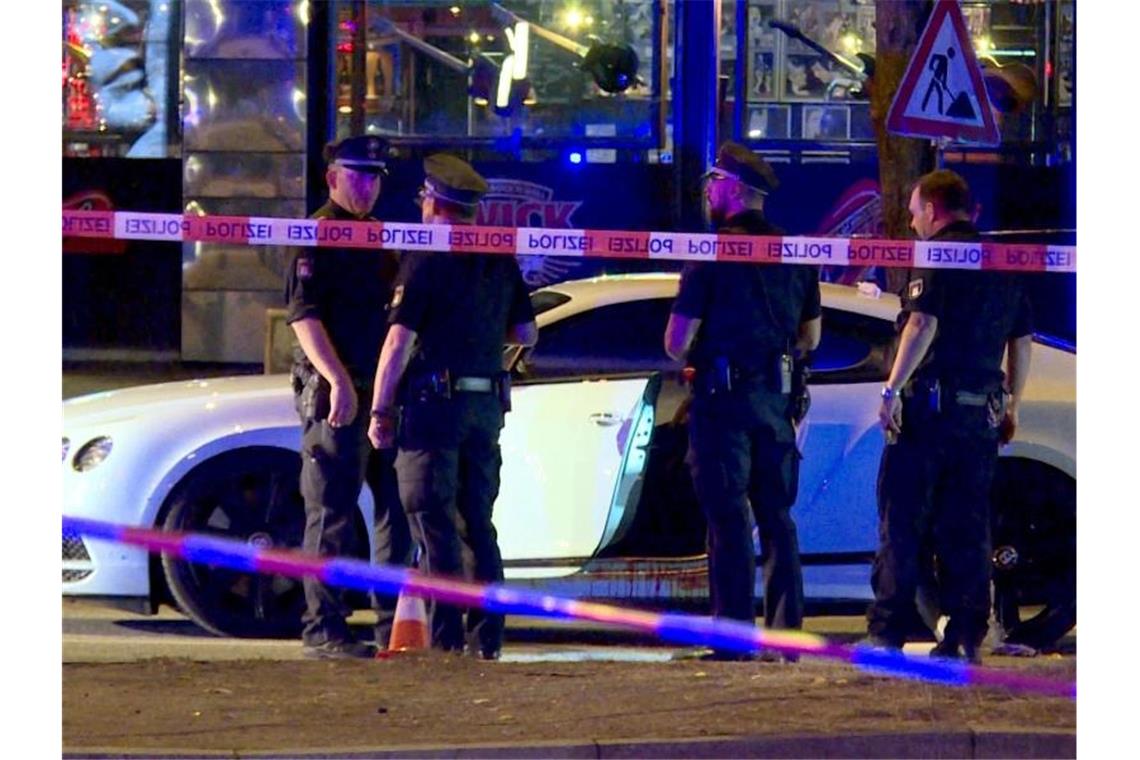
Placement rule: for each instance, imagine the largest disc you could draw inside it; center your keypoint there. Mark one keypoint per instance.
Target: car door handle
(604, 419)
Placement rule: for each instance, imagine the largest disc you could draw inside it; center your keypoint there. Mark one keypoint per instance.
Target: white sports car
(595, 498)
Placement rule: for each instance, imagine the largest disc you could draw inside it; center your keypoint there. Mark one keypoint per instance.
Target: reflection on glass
(245, 29)
(420, 86)
(242, 105)
(245, 175)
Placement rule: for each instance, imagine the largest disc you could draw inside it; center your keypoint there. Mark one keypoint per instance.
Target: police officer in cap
(740, 327)
(945, 408)
(440, 381)
(336, 299)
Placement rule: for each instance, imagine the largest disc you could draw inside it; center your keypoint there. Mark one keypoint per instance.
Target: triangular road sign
(942, 93)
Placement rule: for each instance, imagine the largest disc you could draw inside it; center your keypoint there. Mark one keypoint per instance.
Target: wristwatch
(887, 393)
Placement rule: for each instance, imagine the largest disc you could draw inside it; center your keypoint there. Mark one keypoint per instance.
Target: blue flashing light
(575, 157)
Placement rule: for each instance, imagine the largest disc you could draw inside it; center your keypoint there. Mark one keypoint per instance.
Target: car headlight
(66, 447)
(92, 454)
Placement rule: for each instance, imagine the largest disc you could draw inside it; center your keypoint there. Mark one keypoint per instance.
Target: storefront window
(120, 68)
(811, 89)
(794, 89)
(584, 69)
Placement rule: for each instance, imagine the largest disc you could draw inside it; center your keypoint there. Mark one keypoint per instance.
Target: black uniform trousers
(934, 492)
(335, 462)
(743, 459)
(448, 470)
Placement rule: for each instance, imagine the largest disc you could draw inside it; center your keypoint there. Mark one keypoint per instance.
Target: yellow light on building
(572, 18)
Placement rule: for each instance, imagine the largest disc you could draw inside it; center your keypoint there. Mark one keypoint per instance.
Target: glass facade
(434, 69)
(138, 72)
(794, 90)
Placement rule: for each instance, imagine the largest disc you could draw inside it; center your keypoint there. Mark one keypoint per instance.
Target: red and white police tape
(616, 244)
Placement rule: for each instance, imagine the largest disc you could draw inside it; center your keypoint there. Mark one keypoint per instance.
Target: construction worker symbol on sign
(941, 94)
(960, 107)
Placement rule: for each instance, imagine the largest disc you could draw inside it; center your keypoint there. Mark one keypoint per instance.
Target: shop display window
(796, 90)
(432, 69)
(119, 71)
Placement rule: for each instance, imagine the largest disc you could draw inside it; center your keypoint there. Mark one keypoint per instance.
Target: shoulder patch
(397, 296)
(304, 267)
(914, 289)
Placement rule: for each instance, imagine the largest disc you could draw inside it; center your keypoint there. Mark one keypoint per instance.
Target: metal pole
(694, 103)
(740, 70)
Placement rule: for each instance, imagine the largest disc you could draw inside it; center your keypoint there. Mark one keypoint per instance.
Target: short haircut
(946, 190)
(753, 196)
(454, 210)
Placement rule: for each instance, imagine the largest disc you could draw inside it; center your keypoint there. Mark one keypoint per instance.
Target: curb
(949, 744)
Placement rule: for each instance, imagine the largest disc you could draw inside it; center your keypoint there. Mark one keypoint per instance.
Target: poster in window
(826, 122)
(761, 76)
(760, 35)
(845, 29)
(806, 77)
(768, 122)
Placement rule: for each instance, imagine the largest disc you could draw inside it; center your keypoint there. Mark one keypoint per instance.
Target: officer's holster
(930, 397)
(312, 394)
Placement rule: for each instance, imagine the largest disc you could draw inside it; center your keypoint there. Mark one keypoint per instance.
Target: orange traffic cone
(410, 628)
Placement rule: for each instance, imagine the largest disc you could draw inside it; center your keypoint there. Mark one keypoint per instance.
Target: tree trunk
(902, 160)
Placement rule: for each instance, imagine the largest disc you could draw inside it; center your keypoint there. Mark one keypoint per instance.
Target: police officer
(336, 300)
(739, 326)
(945, 408)
(442, 361)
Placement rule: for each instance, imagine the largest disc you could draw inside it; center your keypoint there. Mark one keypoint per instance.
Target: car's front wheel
(1035, 551)
(250, 495)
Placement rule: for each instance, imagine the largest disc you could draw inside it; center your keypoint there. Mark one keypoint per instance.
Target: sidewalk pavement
(961, 743)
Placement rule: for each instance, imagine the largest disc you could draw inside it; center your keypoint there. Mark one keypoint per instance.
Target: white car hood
(209, 394)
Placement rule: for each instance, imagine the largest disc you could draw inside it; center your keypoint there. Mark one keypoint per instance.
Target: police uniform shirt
(977, 313)
(749, 313)
(460, 307)
(348, 290)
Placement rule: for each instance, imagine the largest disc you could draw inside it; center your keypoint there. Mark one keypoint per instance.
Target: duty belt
(473, 384)
(933, 393)
(442, 384)
(966, 398)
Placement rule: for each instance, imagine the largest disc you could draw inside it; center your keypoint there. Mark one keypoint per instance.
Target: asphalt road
(95, 633)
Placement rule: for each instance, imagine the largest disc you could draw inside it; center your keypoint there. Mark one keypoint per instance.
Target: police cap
(365, 153)
(737, 161)
(453, 179)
